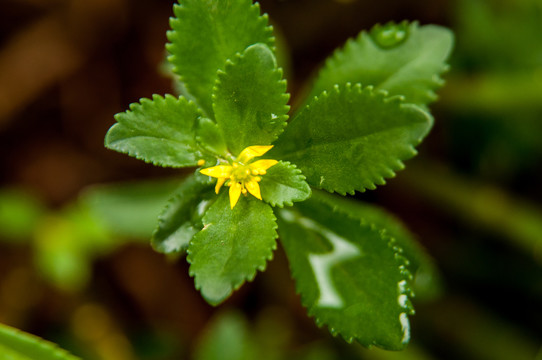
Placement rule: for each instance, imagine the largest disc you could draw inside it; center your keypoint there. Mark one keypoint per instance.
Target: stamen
(242, 175)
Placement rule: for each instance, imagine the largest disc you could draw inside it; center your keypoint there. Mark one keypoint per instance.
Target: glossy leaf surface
(205, 34)
(210, 138)
(160, 131)
(403, 59)
(232, 246)
(18, 345)
(352, 138)
(284, 184)
(427, 282)
(249, 99)
(181, 218)
(349, 274)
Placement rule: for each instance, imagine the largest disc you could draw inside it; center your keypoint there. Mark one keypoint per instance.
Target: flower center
(244, 173)
(241, 172)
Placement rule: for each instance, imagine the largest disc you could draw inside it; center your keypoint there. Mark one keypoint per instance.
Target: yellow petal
(235, 192)
(220, 171)
(219, 184)
(252, 152)
(263, 164)
(254, 188)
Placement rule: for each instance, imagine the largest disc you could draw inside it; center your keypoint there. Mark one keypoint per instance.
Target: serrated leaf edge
(398, 164)
(248, 278)
(178, 10)
(139, 107)
(300, 175)
(340, 53)
(161, 220)
(277, 71)
(404, 288)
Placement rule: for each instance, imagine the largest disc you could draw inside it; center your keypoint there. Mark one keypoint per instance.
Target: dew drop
(390, 35)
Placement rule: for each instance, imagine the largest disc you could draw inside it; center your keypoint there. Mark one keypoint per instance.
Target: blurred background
(76, 266)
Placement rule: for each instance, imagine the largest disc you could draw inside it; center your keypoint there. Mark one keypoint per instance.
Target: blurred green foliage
(495, 90)
(19, 214)
(67, 241)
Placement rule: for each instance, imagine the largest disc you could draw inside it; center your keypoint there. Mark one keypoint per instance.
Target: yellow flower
(242, 175)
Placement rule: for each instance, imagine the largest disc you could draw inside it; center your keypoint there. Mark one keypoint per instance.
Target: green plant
(355, 266)
(18, 345)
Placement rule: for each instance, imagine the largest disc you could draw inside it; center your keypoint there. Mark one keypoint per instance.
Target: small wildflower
(242, 175)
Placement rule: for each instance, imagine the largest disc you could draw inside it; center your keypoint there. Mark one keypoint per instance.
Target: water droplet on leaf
(390, 35)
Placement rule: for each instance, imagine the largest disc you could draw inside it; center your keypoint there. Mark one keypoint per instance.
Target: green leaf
(181, 218)
(18, 345)
(403, 59)
(427, 282)
(227, 337)
(129, 209)
(352, 138)
(249, 99)
(159, 131)
(205, 34)
(233, 244)
(209, 137)
(349, 274)
(283, 185)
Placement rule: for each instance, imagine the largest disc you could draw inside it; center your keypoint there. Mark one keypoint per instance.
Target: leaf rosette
(249, 103)
(230, 123)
